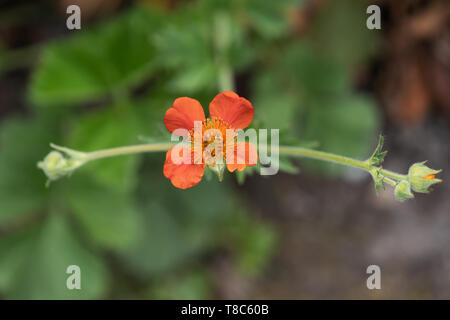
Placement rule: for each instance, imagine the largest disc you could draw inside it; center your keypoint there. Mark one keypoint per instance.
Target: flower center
(215, 136)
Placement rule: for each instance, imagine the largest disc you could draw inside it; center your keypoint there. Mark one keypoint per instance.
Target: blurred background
(311, 68)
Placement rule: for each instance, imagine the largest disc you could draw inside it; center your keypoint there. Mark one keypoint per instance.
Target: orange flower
(229, 113)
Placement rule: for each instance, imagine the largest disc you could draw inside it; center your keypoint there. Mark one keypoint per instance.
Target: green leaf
(378, 180)
(378, 155)
(160, 246)
(287, 166)
(177, 224)
(275, 107)
(268, 17)
(22, 184)
(107, 215)
(185, 48)
(37, 270)
(194, 78)
(189, 47)
(346, 128)
(297, 77)
(191, 286)
(14, 250)
(249, 171)
(110, 58)
(184, 41)
(108, 129)
(339, 32)
(302, 67)
(256, 248)
(252, 241)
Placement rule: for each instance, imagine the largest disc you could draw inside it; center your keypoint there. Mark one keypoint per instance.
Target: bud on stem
(422, 177)
(61, 163)
(402, 191)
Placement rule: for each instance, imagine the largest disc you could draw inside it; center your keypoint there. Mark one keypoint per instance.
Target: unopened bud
(421, 177)
(55, 165)
(402, 191)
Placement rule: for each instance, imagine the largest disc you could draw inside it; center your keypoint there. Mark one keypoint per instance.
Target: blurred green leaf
(252, 241)
(107, 215)
(194, 78)
(346, 127)
(185, 47)
(108, 59)
(269, 17)
(249, 171)
(14, 250)
(340, 33)
(178, 224)
(160, 246)
(108, 129)
(378, 155)
(188, 47)
(315, 75)
(150, 111)
(287, 166)
(22, 184)
(184, 40)
(191, 286)
(275, 107)
(298, 77)
(41, 262)
(2, 58)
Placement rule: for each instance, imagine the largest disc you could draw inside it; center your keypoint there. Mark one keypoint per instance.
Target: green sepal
(378, 155)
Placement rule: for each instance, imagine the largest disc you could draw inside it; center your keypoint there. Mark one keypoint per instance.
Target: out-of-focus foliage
(121, 213)
(21, 192)
(109, 59)
(2, 58)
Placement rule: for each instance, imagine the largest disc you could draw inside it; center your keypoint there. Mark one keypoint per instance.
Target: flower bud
(421, 177)
(402, 191)
(55, 165)
(218, 169)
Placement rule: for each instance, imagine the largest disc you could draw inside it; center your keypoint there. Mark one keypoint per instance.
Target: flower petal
(183, 114)
(245, 155)
(234, 110)
(182, 175)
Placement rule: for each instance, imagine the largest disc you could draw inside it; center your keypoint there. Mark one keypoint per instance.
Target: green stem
(226, 82)
(393, 174)
(324, 156)
(222, 39)
(390, 181)
(140, 148)
(79, 158)
(331, 157)
(283, 150)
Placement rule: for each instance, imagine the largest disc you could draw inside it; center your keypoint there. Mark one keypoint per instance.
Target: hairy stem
(394, 175)
(324, 156)
(79, 158)
(283, 150)
(346, 161)
(222, 35)
(140, 148)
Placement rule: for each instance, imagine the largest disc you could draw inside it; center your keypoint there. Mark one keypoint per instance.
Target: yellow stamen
(222, 143)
